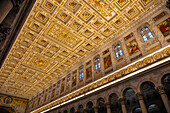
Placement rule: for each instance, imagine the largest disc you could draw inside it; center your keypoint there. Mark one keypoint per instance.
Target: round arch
(125, 88)
(161, 75)
(114, 102)
(145, 80)
(131, 100)
(101, 104)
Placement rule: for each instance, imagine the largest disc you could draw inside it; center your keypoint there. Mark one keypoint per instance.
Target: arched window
(65, 111)
(42, 97)
(81, 74)
(97, 63)
(68, 81)
(72, 110)
(146, 33)
(114, 103)
(74, 78)
(58, 87)
(131, 100)
(80, 109)
(101, 106)
(49, 94)
(90, 108)
(118, 51)
(36, 100)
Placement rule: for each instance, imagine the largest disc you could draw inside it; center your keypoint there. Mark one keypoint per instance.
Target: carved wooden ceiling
(59, 33)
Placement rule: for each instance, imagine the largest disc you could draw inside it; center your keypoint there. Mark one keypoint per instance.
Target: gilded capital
(122, 101)
(140, 96)
(161, 89)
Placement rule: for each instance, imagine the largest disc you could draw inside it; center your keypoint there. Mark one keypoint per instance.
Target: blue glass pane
(117, 55)
(49, 94)
(150, 35)
(121, 53)
(98, 59)
(118, 46)
(115, 48)
(42, 97)
(98, 65)
(82, 75)
(145, 38)
(141, 31)
(58, 89)
(146, 28)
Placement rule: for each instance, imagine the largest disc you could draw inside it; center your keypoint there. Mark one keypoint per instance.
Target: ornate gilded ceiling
(59, 33)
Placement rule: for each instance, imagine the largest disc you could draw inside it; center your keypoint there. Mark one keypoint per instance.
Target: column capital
(107, 103)
(161, 90)
(122, 101)
(95, 107)
(139, 95)
(76, 111)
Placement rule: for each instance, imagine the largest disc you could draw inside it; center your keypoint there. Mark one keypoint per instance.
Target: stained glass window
(68, 81)
(118, 51)
(97, 63)
(81, 74)
(36, 100)
(30, 104)
(58, 86)
(42, 97)
(49, 94)
(146, 34)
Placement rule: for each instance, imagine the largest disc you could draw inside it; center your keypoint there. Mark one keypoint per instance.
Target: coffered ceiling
(58, 34)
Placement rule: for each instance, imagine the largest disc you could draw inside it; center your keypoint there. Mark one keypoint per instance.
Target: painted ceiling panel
(59, 33)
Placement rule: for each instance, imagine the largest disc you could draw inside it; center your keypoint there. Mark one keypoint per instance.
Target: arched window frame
(146, 33)
(117, 48)
(97, 63)
(148, 37)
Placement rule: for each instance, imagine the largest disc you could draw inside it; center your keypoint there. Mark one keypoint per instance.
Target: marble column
(95, 109)
(122, 101)
(76, 111)
(108, 107)
(141, 102)
(161, 90)
(85, 110)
